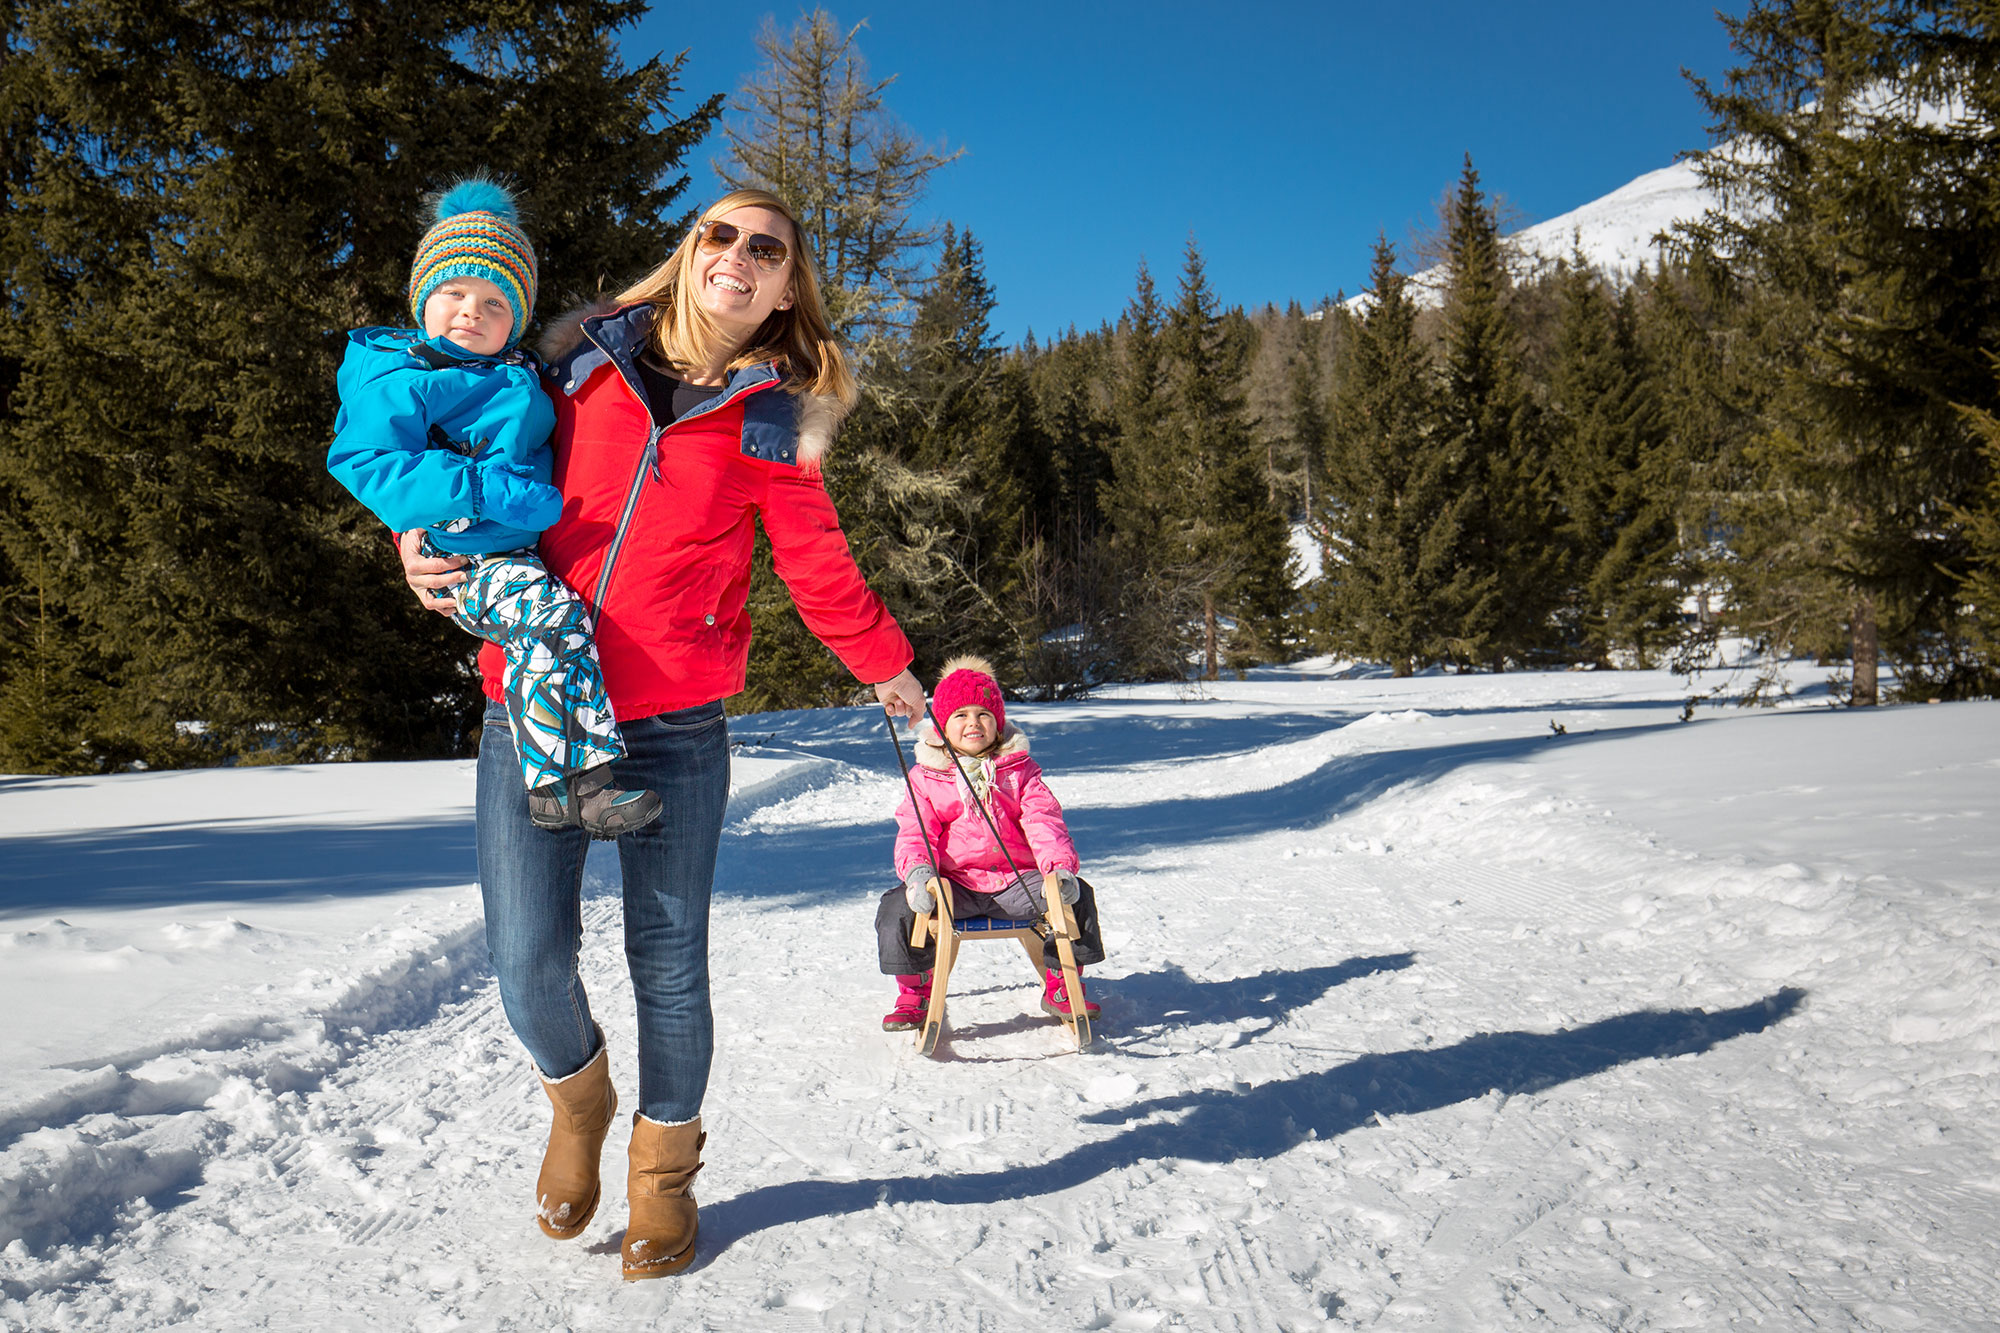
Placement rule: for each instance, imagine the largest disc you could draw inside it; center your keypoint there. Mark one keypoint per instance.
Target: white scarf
(978, 774)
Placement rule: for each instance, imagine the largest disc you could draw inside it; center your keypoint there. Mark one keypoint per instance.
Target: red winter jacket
(656, 528)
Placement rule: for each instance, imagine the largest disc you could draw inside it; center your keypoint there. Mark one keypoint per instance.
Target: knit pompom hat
(476, 235)
(968, 683)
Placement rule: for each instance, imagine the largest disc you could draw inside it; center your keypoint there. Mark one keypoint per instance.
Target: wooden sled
(1059, 924)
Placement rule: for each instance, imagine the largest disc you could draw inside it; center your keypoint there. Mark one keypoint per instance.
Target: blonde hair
(800, 338)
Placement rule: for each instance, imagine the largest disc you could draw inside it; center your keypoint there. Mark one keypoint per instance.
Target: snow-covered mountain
(1617, 233)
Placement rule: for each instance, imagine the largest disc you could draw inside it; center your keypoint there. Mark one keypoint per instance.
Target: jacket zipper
(647, 458)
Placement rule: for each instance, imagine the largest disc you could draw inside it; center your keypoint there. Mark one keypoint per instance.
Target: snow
(1418, 1015)
(1307, 551)
(1618, 234)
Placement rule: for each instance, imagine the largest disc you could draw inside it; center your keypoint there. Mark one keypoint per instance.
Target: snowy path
(1416, 1016)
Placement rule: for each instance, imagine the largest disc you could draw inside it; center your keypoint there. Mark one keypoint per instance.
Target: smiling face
(971, 730)
(471, 313)
(736, 291)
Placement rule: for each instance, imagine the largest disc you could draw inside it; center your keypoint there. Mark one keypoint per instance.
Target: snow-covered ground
(1418, 1015)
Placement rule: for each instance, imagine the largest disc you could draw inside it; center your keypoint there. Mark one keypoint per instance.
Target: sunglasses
(769, 252)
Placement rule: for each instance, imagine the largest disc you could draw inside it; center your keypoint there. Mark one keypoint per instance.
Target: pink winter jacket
(1022, 806)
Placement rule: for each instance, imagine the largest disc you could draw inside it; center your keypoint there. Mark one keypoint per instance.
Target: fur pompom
(475, 194)
(968, 663)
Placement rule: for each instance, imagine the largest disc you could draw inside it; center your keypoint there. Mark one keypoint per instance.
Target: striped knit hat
(476, 236)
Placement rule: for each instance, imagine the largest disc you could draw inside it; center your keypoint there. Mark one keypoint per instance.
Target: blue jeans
(532, 882)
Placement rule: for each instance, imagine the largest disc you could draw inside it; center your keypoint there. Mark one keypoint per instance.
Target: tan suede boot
(568, 1188)
(659, 1238)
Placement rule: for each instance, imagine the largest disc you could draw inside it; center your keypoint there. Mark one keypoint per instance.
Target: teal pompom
(476, 194)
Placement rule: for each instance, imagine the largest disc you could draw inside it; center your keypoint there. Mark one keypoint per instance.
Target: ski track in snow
(1403, 1028)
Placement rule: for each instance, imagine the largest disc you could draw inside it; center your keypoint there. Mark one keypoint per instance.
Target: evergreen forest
(1787, 430)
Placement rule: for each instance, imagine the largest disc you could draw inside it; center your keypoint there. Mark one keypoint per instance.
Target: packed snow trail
(1417, 1015)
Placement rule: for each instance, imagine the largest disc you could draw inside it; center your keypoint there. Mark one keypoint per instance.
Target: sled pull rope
(970, 790)
(921, 929)
(909, 785)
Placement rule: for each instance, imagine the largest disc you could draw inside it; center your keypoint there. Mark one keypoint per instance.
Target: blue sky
(1283, 137)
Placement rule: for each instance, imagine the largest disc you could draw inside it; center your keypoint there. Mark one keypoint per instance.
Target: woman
(698, 404)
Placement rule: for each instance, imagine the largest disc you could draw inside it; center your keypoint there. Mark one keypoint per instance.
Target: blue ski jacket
(433, 436)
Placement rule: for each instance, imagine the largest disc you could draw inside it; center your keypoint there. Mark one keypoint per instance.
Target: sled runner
(1059, 925)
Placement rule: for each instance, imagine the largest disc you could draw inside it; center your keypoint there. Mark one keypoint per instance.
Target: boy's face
(471, 312)
(971, 729)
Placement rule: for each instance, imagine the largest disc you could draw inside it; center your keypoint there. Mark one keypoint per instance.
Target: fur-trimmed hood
(939, 824)
(931, 752)
(564, 334)
(817, 418)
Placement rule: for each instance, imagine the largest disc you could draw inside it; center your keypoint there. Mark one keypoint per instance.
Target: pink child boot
(1056, 1004)
(913, 997)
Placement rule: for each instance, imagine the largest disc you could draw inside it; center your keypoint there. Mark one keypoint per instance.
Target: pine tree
(46, 706)
(1305, 402)
(1860, 218)
(1281, 390)
(947, 406)
(1151, 598)
(1195, 481)
(1392, 505)
(1071, 595)
(213, 196)
(1069, 387)
(811, 127)
(1962, 58)
(1137, 492)
(1618, 489)
(1507, 572)
(1980, 520)
(1249, 512)
(966, 408)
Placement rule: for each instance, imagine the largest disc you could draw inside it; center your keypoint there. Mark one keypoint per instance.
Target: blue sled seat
(973, 925)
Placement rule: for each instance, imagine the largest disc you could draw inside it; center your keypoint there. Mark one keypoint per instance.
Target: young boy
(445, 427)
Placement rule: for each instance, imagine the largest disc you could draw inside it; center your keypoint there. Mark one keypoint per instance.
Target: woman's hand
(432, 579)
(902, 697)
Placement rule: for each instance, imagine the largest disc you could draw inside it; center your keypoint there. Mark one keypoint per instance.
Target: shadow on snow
(169, 864)
(1141, 1005)
(1144, 1004)
(819, 861)
(1339, 786)
(1221, 1125)
(1107, 733)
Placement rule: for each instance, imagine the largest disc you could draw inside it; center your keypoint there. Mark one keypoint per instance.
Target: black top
(680, 396)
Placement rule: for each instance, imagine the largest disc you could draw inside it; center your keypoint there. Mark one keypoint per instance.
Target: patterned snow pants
(560, 715)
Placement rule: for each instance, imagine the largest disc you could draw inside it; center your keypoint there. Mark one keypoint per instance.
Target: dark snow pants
(893, 920)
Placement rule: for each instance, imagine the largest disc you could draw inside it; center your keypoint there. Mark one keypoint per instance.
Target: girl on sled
(978, 747)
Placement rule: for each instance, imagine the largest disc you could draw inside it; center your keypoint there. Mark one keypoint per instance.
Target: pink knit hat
(968, 683)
